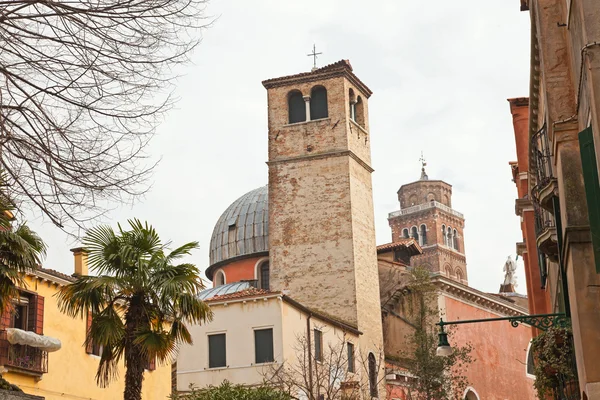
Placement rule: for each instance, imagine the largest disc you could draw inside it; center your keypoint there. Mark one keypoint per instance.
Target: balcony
(541, 161)
(545, 230)
(425, 206)
(26, 358)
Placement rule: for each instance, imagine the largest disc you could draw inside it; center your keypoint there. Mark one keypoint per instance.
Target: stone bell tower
(426, 214)
(321, 220)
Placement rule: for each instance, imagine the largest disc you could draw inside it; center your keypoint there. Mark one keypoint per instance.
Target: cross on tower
(314, 54)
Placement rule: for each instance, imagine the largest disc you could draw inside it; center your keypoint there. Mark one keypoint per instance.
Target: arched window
(530, 366)
(444, 235)
(372, 375)
(423, 235)
(414, 233)
(459, 275)
(455, 236)
(359, 113)
(263, 277)
(318, 103)
(450, 240)
(219, 278)
(471, 395)
(405, 233)
(352, 105)
(296, 107)
(448, 271)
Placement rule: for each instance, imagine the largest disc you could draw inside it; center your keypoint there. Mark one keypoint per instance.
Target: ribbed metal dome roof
(243, 229)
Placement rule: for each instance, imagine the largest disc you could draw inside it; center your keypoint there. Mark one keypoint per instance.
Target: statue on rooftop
(510, 267)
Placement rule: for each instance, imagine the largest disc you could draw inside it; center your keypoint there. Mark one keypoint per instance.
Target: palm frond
(87, 293)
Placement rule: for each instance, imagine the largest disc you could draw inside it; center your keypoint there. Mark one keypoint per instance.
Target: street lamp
(539, 321)
(444, 349)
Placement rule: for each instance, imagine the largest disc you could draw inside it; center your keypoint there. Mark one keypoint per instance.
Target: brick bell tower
(321, 221)
(426, 214)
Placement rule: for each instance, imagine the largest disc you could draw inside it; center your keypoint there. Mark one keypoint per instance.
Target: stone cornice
(468, 294)
(317, 156)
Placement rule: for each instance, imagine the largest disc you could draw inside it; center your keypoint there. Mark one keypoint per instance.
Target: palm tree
(21, 251)
(140, 300)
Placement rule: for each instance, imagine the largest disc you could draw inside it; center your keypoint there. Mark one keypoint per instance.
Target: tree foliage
(21, 251)
(227, 391)
(438, 378)
(140, 301)
(83, 85)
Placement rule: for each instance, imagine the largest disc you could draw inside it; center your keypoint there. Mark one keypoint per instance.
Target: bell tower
(426, 215)
(321, 221)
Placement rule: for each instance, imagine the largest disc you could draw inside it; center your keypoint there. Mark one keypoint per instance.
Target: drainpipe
(310, 377)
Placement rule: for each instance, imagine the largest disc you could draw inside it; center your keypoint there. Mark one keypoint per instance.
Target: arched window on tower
(359, 113)
(263, 276)
(459, 275)
(219, 278)
(450, 240)
(444, 235)
(352, 105)
(318, 103)
(296, 107)
(372, 375)
(414, 233)
(423, 235)
(405, 233)
(455, 236)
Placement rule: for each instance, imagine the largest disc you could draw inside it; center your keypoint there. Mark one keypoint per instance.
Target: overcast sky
(440, 70)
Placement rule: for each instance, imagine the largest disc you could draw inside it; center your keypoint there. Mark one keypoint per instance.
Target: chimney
(80, 257)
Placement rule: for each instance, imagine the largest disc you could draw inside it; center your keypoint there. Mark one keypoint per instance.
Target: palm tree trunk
(134, 361)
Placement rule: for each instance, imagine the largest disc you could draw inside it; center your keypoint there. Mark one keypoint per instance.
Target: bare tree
(324, 377)
(83, 85)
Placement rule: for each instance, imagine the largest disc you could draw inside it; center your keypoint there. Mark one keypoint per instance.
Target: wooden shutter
(152, 364)
(592, 188)
(263, 346)
(35, 317)
(217, 352)
(89, 348)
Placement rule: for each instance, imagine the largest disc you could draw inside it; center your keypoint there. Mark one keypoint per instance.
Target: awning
(46, 343)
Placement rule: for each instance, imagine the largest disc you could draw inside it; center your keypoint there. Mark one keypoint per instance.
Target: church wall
(237, 320)
(499, 350)
(240, 270)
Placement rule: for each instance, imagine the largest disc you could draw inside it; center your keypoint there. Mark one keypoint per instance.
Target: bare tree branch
(83, 85)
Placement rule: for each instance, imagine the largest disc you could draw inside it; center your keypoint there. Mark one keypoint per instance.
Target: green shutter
(592, 188)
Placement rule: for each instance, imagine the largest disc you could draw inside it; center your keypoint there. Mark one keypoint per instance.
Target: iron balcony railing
(543, 219)
(27, 358)
(425, 206)
(541, 152)
(567, 387)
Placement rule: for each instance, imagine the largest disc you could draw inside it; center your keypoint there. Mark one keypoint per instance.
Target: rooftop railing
(425, 206)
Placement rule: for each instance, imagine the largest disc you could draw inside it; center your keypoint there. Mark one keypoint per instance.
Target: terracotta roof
(339, 68)
(399, 243)
(57, 274)
(250, 292)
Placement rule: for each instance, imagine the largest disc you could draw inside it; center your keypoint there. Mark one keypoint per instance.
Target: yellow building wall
(71, 371)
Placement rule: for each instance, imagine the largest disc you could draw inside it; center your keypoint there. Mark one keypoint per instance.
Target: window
(350, 347)
(219, 278)
(405, 233)
(455, 237)
(318, 337)
(318, 103)
(414, 233)
(530, 361)
(264, 276)
(20, 318)
(449, 240)
(352, 105)
(216, 351)
(263, 345)
(359, 113)
(296, 107)
(592, 189)
(150, 364)
(372, 375)
(423, 235)
(91, 346)
(444, 235)
(28, 314)
(459, 275)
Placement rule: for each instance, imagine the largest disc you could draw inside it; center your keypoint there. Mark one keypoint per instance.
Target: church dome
(242, 230)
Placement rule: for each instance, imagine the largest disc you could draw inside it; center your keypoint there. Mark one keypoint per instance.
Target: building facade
(69, 371)
(564, 140)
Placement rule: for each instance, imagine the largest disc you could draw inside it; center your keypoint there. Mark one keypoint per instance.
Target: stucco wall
(71, 372)
(499, 350)
(238, 321)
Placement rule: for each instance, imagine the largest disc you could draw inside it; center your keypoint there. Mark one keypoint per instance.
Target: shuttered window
(216, 351)
(318, 336)
(592, 188)
(263, 345)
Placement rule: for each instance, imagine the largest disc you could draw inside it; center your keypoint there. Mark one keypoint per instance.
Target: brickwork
(438, 255)
(321, 220)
